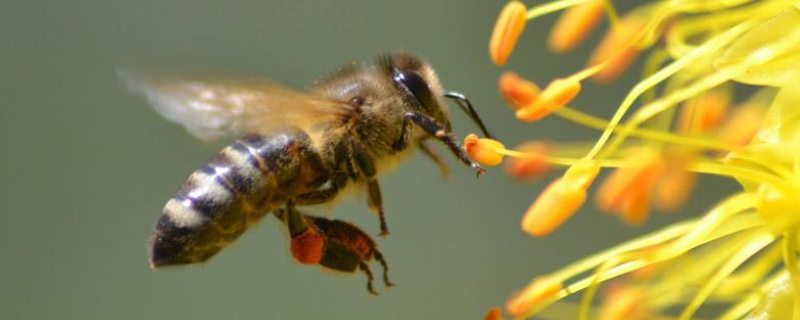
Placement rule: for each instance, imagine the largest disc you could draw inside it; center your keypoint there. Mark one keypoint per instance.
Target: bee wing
(214, 107)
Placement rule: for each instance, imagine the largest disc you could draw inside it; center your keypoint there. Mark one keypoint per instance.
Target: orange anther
(484, 151)
(627, 191)
(623, 304)
(676, 183)
(743, 124)
(533, 166)
(507, 29)
(704, 112)
(575, 24)
(618, 48)
(517, 91)
(559, 201)
(582, 175)
(536, 292)
(557, 94)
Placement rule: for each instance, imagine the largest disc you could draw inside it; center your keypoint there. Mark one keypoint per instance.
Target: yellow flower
(683, 118)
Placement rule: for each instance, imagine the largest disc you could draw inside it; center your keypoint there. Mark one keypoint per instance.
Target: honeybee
(297, 148)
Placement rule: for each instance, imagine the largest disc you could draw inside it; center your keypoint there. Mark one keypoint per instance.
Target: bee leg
(323, 195)
(436, 158)
(364, 267)
(376, 204)
(293, 219)
(307, 243)
(402, 142)
(379, 257)
(438, 131)
(342, 153)
(374, 200)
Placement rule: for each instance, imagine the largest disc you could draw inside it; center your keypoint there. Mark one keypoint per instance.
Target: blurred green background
(85, 167)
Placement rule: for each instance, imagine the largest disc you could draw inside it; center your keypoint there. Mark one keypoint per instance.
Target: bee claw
(478, 169)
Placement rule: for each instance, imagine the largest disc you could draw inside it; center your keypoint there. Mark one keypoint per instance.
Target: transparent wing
(214, 107)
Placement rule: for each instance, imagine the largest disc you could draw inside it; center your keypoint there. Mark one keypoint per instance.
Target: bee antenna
(466, 106)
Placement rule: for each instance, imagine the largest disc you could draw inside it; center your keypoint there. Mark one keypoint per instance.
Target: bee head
(417, 83)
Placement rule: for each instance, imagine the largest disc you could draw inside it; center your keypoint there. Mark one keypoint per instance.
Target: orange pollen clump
(618, 48)
(575, 24)
(307, 247)
(493, 314)
(484, 151)
(507, 29)
(627, 191)
(536, 292)
(533, 166)
(517, 91)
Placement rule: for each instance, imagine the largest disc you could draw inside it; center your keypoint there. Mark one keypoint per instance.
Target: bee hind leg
(438, 131)
(364, 267)
(382, 261)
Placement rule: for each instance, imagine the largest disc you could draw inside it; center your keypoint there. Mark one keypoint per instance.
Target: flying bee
(296, 148)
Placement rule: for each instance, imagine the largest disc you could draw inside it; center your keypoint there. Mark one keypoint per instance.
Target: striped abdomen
(237, 187)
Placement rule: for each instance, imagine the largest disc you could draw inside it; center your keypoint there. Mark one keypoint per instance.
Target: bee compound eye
(411, 83)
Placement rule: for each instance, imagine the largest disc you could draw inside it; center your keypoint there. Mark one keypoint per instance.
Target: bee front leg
(374, 199)
(402, 142)
(438, 131)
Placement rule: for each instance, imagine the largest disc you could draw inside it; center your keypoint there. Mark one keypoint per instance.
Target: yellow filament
(750, 249)
(712, 46)
(790, 261)
(551, 7)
